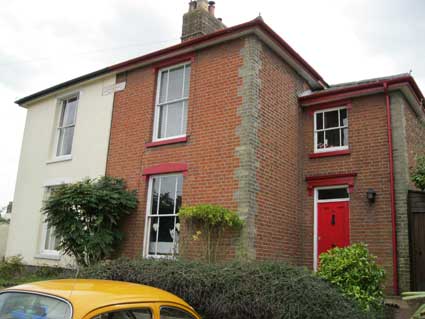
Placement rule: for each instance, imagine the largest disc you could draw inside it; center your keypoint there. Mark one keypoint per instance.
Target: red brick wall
(368, 143)
(278, 174)
(415, 137)
(210, 150)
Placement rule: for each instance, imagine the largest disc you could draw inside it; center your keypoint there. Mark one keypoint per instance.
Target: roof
(87, 294)
(257, 24)
(404, 82)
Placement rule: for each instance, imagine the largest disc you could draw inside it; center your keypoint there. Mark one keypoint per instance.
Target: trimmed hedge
(236, 290)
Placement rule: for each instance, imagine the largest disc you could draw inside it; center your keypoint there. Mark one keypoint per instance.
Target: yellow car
(91, 299)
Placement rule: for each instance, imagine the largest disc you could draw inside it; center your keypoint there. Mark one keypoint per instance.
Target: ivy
(86, 215)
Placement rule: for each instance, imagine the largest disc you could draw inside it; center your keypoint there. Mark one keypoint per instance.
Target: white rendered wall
(37, 168)
(4, 228)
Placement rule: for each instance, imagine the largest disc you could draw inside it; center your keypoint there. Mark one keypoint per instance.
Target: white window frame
(58, 128)
(330, 149)
(44, 228)
(149, 216)
(316, 217)
(158, 104)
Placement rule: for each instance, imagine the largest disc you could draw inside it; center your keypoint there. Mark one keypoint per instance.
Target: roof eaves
(364, 87)
(62, 85)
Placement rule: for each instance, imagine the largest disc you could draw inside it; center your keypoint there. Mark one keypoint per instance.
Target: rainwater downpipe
(392, 189)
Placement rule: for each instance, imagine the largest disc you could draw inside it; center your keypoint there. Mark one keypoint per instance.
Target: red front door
(333, 226)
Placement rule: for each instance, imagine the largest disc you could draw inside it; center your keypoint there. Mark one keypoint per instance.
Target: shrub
(418, 174)
(11, 267)
(209, 222)
(355, 272)
(86, 215)
(236, 290)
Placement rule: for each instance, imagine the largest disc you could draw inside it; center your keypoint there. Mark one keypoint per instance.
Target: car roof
(88, 294)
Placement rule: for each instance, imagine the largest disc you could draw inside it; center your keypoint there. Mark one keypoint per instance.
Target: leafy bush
(11, 267)
(86, 216)
(418, 174)
(355, 272)
(209, 222)
(236, 290)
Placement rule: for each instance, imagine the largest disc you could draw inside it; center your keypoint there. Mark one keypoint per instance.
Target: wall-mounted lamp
(371, 195)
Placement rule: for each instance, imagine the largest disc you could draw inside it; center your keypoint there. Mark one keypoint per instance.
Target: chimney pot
(192, 5)
(211, 7)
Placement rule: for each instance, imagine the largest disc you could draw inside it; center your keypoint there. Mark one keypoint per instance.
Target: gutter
(392, 189)
(367, 88)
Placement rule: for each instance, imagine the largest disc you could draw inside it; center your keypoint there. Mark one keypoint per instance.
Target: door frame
(316, 211)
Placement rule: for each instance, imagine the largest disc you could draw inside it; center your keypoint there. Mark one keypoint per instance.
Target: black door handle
(333, 219)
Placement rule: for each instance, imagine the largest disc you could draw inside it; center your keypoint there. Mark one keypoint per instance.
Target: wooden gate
(416, 202)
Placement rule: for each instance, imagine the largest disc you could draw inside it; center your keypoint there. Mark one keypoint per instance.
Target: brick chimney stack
(200, 20)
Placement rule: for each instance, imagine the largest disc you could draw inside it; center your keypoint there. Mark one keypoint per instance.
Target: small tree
(85, 217)
(209, 223)
(418, 173)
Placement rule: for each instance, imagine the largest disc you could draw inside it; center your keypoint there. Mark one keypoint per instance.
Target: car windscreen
(19, 305)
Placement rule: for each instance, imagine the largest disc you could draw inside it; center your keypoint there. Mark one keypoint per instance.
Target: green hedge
(236, 290)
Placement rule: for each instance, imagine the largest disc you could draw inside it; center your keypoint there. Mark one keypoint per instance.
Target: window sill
(329, 154)
(167, 142)
(48, 256)
(60, 159)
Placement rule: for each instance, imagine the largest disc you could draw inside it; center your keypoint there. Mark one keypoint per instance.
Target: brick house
(234, 116)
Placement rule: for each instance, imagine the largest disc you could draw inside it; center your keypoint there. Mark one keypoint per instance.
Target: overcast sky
(45, 42)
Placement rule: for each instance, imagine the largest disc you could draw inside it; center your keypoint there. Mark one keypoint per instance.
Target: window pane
(60, 142)
(343, 117)
(127, 314)
(68, 135)
(331, 119)
(320, 140)
(69, 113)
(344, 136)
(333, 193)
(26, 305)
(319, 121)
(174, 313)
(175, 119)
(47, 239)
(179, 193)
(163, 229)
(163, 88)
(168, 194)
(162, 120)
(51, 242)
(186, 81)
(332, 138)
(154, 226)
(175, 84)
(155, 190)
